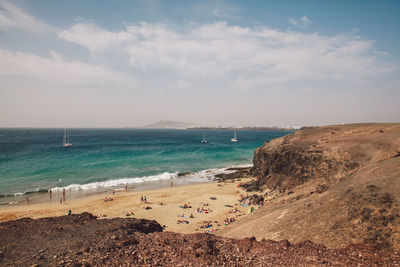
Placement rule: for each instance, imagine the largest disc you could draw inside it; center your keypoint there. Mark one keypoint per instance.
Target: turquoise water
(33, 160)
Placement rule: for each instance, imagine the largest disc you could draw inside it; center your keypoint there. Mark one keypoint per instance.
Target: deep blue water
(34, 159)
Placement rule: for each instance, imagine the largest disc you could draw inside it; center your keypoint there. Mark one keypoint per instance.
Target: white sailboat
(234, 139)
(66, 142)
(204, 137)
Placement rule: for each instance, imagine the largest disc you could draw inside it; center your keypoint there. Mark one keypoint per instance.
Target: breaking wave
(178, 178)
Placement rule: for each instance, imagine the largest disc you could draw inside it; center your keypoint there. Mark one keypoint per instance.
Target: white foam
(194, 177)
(116, 182)
(242, 166)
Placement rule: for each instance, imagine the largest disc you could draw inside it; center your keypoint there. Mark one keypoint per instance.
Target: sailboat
(66, 142)
(234, 139)
(204, 137)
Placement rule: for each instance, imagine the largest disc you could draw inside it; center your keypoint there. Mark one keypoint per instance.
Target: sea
(33, 161)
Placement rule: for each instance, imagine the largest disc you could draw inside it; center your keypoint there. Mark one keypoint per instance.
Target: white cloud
(54, 70)
(301, 23)
(93, 37)
(235, 55)
(13, 17)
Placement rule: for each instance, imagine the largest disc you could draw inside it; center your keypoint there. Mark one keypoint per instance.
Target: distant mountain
(170, 125)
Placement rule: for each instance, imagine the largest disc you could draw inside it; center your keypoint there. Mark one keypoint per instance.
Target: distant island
(169, 125)
(197, 126)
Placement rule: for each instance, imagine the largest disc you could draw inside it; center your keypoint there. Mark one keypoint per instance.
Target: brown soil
(82, 240)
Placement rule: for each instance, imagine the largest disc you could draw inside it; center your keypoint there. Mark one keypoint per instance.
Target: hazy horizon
(231, 63)
(193, 125)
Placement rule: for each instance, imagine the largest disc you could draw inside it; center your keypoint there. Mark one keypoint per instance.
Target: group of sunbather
(228, 221)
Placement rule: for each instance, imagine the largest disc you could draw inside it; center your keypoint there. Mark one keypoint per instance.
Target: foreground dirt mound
(335, 185)
(47, 240)
(82, 240)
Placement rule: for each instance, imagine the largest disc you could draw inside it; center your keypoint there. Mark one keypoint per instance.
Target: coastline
(144, 183)
(128, 204)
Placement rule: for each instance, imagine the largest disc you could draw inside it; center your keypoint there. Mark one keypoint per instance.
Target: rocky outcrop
(328, 153)
(237, 173)
(334, 185)
(82, 240)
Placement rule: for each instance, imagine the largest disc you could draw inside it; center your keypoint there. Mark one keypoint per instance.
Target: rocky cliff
(328, 153)
(335, 185)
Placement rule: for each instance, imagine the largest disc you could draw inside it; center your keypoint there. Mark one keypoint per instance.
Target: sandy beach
(216, 201)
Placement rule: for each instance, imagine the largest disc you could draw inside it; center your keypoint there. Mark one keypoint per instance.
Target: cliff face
(328, 153)
(334, 185)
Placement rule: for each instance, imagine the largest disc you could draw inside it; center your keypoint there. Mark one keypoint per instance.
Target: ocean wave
(177, 177)
(249, 165)
(19, 194)
(116, 182)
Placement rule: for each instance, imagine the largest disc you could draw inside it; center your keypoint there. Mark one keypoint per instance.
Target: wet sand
(226, 196)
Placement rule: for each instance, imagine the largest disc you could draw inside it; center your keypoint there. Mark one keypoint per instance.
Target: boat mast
(65, 136)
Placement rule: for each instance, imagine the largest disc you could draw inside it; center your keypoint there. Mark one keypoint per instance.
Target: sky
(235, 63)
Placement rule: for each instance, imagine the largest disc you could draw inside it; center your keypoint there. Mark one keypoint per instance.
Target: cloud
(301, 23)
(13, 17)
(233, 55)
(55, 69)
(93, 37)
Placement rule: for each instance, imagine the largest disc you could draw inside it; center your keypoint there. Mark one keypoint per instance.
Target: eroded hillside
(335, 185)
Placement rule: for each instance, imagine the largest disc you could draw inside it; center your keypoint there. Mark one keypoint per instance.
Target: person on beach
(63, 197)
(145, 199)
(50, 194)
(141, 198)
(126, 188)
(27, 201)
(171, 182)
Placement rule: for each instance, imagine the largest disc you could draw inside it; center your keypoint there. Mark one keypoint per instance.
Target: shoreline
(144, 183)
(216, 201)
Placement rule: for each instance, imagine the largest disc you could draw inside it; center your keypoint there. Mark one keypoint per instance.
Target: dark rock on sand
(239, 172)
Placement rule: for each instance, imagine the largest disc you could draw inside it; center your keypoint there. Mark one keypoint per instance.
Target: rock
(346, 187)
(239, 172)
(321, 188)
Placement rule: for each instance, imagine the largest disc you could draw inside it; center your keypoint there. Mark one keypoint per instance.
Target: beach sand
(123, 203)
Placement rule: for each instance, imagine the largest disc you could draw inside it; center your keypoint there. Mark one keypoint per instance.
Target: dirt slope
(334, 185)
